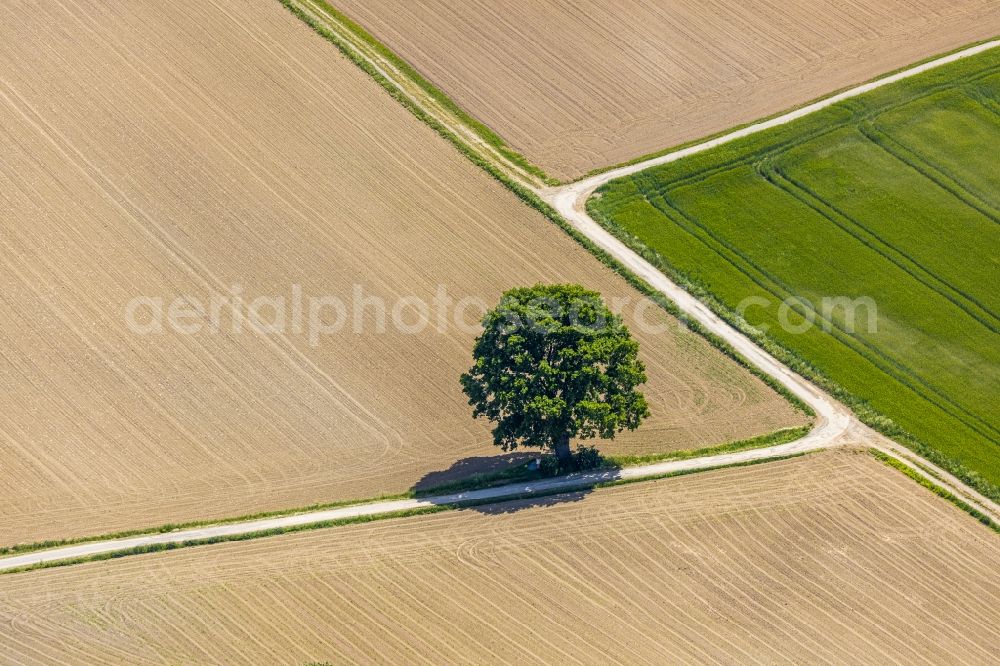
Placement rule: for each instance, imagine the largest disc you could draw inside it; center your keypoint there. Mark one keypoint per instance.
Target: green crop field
(893, 196)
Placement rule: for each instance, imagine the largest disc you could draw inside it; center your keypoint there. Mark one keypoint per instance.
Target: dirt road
(834, 419)
(545, 487)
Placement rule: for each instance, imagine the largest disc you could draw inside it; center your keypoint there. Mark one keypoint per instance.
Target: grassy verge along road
(891, 196)
(943, 484)
(543, 487)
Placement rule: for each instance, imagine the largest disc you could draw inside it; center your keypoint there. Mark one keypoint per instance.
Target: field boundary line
(109, 548)
(938, 482)
(658, 153)
(516, 474)
(357, 44)
(591, 183)
(928, 478)
(570, 201)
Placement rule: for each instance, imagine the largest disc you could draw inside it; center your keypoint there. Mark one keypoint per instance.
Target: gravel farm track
(827, 558)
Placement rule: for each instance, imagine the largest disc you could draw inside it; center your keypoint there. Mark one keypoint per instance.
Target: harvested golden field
(831, 558)
(577, 85)
(190, 149)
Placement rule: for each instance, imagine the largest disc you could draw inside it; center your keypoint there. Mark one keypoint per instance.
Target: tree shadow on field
(475, 470)
(513, 506)
(467, 483)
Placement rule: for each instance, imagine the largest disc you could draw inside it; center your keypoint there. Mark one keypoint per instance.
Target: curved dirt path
(836, 424)
(580, 190)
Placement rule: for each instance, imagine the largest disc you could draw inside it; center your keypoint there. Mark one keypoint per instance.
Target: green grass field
(894, 196)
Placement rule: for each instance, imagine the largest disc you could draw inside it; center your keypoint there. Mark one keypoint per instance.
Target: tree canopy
(552, 364)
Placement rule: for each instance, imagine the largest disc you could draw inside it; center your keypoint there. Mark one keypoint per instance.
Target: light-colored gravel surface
(830, 558)
(814, 441)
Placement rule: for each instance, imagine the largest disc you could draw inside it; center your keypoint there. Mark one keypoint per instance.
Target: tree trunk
(563, 452)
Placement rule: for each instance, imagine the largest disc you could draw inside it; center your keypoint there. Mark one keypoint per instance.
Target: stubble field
(178, 149)
(829, 558)
(577, 86)
(892, 197)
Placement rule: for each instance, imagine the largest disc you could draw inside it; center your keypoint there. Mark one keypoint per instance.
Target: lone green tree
(553, 364)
